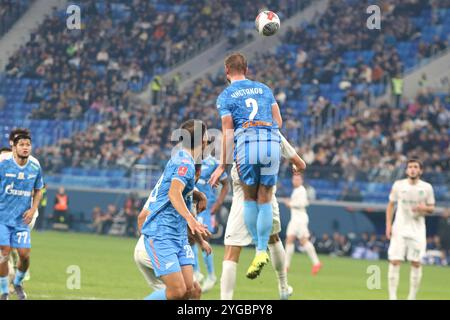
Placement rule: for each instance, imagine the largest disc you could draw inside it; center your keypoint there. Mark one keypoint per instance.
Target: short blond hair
(236, 62)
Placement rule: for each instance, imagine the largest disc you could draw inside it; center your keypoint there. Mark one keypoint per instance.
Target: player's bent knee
(395, 262)
(415, 264)
(232, 253)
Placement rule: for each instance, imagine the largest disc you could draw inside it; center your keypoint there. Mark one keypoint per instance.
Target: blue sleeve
(39, 183)
(222, 105)
(183, 172)
(269, 95)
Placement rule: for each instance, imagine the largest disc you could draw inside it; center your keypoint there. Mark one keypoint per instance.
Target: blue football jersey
(163, 219)
(208, 166)
(16, 186)
(250, 105)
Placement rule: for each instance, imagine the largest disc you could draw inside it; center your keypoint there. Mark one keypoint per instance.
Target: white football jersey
(298, 203)
(407, 223)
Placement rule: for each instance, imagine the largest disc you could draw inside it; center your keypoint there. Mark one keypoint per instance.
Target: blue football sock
(209, 262)
(251, 218)
(264, 225)
(4, 284)
(196, 265)
(19, 277)
(157, 295)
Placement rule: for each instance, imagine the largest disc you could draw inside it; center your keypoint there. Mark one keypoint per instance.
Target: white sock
(393, 278)
(228, 280)
(290, 249)
(414, 282)
(311, 251)
(278, 258)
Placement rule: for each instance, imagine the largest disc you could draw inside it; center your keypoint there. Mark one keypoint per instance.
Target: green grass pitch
(108, 272)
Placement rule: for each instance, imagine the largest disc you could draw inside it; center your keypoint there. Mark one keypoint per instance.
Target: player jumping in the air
(298, 225)
(251, 120)
(168, 216)
(237, 235)
(415, 200)
(19, 177)
(207, 216)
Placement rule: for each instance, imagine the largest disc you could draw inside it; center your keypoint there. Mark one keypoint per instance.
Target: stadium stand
(10, 12)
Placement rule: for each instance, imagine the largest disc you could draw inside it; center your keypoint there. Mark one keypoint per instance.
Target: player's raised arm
(226, 156)
(177, 200)
(221, 198)
(276, 115)
(288, 152)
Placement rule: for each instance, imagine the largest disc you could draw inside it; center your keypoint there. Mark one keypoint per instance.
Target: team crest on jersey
(182, 171)
(21, 176)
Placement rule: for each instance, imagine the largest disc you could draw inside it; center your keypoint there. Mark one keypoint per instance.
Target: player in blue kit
(251, 120)
(168, 215)
(207, 216)
(20, 180)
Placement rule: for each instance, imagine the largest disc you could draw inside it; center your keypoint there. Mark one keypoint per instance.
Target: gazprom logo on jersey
(243, 92)
(13, 192)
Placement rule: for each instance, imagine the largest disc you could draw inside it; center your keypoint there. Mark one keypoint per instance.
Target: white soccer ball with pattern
(267, 23)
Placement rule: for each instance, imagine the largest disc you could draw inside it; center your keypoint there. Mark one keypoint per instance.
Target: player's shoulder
(34, 161)
(399, 183)
(182, 157)
(425, 184)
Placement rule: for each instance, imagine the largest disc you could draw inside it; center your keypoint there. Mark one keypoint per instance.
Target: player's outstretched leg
(414, 280)
(312, 254)
(278, 258)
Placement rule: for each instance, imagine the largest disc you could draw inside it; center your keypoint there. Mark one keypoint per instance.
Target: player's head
(235, 65)
(5, 150)
(194, 135)
(297, 180)
(16, 132)
(22, 146)
(414, 169)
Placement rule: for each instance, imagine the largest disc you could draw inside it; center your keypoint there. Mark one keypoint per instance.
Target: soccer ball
(267, 23)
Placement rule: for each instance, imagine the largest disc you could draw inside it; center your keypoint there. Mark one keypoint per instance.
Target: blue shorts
(168, 255)
(15, 237)
(258, 162)
(204, 217)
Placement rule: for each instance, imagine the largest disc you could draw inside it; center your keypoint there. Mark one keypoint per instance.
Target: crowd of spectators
(10, 12)
(94, 68)
(375, 146)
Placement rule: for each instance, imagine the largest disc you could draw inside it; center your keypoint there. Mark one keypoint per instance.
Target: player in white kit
(298, 225)
(415, 200)
(237, 235)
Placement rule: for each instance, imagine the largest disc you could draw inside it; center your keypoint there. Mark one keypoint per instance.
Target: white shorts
(236, 233)
(33, 221)
(298, 228)
(144, 264)
(413, 249)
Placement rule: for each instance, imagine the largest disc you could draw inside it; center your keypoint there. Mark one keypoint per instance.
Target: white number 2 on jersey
(251, 103)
